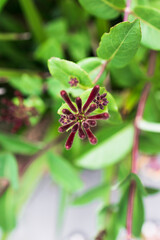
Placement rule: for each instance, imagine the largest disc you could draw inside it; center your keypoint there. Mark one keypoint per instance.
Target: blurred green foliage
(76, 38)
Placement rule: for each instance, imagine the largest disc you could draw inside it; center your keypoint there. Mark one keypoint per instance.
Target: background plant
(113, 44)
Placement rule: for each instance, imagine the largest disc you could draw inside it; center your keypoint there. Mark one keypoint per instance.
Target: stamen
(66, 98)
(79, 104)
(99, 116)
(91, 97)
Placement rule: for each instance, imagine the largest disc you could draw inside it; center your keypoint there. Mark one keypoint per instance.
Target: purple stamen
(66, 98)
(91, 109)
(79, 104)
(99, 116)
(91, 97)
(65, 127)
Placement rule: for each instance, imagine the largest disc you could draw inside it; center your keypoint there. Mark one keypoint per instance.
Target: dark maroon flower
(101, 100)
(79, 118)
(73, 82)
(17, 115)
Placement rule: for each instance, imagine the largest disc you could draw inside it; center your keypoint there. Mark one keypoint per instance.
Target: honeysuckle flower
(79, 117)
(101, 100)
(73, 82)
(17, 115)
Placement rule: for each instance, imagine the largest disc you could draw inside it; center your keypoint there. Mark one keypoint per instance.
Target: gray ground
(38, 219)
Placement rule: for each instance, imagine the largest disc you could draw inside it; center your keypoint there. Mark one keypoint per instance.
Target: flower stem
(127, 10)
(104, 65)
(140, 111)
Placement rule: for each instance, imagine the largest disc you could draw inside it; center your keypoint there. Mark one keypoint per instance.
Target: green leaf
(15, 144)
(64, 173)
(50, 48)
(128, 180)
(8, 210)
(115, 116)
(151, 191)
(63, 70)
(93, 66)
(149, 143)
(127, 76)
(120, 44)
(138, 211)
(57, 29)
(2, 4)
(9, 169)
(27, 84)
(116, 143)
(150, 25)
(92, 194)
(78, 45)
(106, 9)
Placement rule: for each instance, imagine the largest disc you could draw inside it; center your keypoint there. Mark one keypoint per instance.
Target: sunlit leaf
(63, 173)
(120, 44)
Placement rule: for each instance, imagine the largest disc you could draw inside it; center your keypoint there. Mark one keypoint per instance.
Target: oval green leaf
(64, 70)
(120, 44)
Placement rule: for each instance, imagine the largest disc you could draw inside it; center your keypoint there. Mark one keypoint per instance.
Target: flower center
(80, 117)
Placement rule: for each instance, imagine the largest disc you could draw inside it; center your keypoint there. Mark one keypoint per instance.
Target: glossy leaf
(116, 143)
(64, 70)
(9, 169)
(120, 44)
(15, 144)
(92, 194)
(150, 25)
(64, 173)
(107, 9)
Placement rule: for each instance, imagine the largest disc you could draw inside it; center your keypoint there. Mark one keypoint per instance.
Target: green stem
(14, 36)
(34, 20)
(7, 73)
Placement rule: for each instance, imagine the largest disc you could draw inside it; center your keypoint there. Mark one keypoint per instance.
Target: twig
(127, 10)
(101, 72)
(138, 117)
(15, 36)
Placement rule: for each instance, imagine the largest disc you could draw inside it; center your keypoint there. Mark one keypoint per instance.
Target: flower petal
(91, 97)
(66, 98)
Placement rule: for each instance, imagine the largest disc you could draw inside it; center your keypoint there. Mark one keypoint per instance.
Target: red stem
(127, 10)
(140, 111)
(101, 72)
